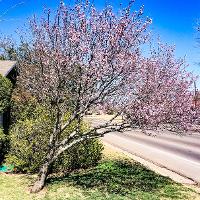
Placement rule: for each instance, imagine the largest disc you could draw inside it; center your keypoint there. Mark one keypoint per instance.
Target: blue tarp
(6, 168)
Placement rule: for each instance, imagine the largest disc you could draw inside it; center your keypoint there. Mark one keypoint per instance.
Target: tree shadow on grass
(119, 177)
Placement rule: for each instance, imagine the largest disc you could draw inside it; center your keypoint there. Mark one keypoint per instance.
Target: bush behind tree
(29, 140)
(3, 146)
(5, 95)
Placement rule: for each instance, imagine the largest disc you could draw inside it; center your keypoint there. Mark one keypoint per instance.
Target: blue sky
(174, 21)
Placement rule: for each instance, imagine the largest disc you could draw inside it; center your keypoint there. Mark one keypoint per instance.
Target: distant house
(8, 70)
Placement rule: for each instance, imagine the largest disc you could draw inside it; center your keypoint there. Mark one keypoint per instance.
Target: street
(180, 154)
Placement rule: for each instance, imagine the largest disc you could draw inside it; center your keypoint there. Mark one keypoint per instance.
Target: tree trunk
(39, 184)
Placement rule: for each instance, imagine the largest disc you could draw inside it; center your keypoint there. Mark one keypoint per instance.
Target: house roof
(6, 66)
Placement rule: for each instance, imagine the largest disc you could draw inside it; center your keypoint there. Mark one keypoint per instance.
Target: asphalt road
(180, 154)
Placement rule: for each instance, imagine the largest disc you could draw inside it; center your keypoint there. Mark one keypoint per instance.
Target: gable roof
(6, 66)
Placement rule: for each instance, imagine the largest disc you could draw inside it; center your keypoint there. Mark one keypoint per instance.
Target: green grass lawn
(116, 177)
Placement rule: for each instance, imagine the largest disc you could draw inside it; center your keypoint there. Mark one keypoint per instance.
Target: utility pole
(195, 95)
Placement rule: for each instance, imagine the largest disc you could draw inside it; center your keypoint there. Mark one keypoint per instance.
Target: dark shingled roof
(6, 66)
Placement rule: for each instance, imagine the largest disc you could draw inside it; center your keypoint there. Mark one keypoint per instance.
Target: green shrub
(5, 93)
(83, 155)
(29, 138)
(2, 144)
(23, 106)
(28, 143)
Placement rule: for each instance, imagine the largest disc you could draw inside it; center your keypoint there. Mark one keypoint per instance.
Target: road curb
(162, 170)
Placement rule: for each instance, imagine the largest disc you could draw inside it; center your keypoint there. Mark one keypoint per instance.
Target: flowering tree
(83, 59)
(162, 92)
